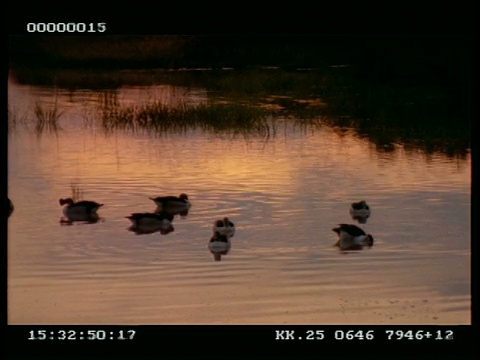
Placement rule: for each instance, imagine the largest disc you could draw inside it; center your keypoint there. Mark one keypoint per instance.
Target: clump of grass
(159, 118)
(46, 119)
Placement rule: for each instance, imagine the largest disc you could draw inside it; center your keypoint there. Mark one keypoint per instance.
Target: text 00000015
(67, 27)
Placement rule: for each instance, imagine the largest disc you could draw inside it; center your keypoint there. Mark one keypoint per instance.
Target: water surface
(284, 194)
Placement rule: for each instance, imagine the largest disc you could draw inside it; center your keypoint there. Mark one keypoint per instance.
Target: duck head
(68, 201)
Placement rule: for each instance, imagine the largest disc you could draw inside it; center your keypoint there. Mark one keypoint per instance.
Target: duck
(9, 207)
(172, 203)
(224, 227)
(83, 210)
(360, 208)
(219, 245)
(351, 237)
(360, 211)
(147, 223)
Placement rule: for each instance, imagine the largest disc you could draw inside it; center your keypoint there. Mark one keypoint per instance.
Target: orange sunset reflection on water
(284, 194)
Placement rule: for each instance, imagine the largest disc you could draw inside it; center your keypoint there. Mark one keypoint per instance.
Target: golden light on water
(284, 194)
(122, 156)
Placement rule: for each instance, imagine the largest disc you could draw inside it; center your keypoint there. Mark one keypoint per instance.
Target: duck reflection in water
(182, 213)
(351, 237)
(149, 223)
(80, 211)
(219, 245)
(360, 211)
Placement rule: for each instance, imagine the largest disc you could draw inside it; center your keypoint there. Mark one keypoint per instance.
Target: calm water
(284, 194)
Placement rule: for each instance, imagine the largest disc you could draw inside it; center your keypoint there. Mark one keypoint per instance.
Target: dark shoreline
(407, 59)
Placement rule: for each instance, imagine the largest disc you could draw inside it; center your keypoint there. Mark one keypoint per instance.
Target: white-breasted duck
(224, 227)
(351, 237)
(171, 203)
(219, 245)
(147, 223)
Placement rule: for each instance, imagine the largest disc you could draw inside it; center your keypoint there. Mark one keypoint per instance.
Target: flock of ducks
(350, 237)
(158, 221)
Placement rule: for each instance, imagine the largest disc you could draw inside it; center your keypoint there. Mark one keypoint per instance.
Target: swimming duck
(360, 208)
(351, 237)
(147, 223)
(224, 227)
(9, 207)
(81, 210)
(219, 245)
(360, 211)
(172, 203)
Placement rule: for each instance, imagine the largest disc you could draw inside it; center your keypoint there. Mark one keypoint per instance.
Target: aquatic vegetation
(160, 119)
(46, 119)
(417, 119)
(254, 84)
(15, 120)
